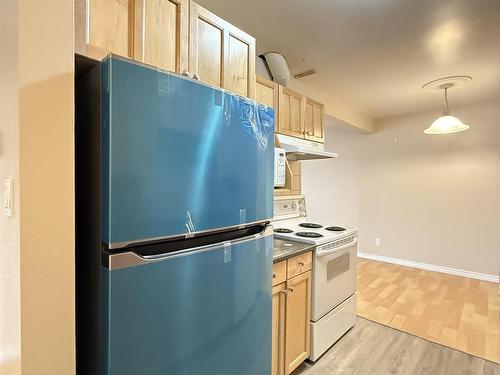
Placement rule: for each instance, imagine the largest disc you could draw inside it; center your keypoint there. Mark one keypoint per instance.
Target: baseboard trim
(431, 267)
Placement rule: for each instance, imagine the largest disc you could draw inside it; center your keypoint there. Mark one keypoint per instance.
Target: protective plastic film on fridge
(174, 183)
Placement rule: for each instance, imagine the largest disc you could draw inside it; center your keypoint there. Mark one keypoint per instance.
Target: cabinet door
(298, 314)
(267, 93)
(278, 330)
(313, 123)
(161, 33)
(221, 54)
(103, 27)
(291, 113)
(240, 62)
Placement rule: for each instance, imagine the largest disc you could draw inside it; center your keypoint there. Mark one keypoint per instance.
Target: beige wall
(10, 335)
(430, 199)
(46, 117)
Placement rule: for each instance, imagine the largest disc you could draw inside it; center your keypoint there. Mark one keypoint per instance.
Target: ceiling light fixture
(446, 123)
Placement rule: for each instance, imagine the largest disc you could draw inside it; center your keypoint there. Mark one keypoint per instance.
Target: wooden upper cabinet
(221, 54)
(206, 45)
(291, 112)
(103, 27)
(175, 35)
(161, 33)
(267, 93)
(314, 123)
(298, 314)
(240, 62)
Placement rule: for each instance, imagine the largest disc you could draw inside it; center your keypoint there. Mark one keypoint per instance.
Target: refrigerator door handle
(131, 259)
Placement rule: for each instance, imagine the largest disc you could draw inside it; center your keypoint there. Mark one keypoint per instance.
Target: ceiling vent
(307, 73)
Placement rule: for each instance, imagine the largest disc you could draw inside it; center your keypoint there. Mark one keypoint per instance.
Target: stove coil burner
(309, 234)
(335, 229)
(310, 225)
(283, 230)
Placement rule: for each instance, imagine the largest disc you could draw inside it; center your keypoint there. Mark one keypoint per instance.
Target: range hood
(303, 149)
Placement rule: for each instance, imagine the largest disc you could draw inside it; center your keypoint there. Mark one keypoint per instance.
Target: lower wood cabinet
(298, 315)
(278, 347)
(291, 314)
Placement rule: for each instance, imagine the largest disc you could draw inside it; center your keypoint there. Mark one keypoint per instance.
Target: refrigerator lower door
(206, 311)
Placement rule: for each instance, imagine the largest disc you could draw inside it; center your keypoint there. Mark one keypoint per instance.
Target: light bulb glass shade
(446, 124)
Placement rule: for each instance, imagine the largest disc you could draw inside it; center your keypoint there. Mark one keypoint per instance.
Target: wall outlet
(377, 241)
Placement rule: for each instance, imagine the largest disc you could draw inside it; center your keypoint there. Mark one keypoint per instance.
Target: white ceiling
(376, 54)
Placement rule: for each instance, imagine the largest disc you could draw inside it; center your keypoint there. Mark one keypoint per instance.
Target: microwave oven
(279, 167)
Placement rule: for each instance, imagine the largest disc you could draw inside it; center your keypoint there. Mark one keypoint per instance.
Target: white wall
(10, 341)
(430, 199)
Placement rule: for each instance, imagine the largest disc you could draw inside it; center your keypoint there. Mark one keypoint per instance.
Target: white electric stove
(333, 305)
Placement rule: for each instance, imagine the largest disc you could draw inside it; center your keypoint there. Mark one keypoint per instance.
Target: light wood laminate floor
(374, 349)
(455, 311)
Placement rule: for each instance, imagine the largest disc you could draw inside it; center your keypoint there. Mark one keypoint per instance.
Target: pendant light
(446, 123)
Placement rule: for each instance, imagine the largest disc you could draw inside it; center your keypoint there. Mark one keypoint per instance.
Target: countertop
(284, 249)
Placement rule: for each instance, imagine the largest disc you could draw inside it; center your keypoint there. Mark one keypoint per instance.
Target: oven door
(334, 278)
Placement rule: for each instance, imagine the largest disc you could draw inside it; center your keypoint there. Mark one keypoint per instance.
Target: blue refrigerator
(174, 190)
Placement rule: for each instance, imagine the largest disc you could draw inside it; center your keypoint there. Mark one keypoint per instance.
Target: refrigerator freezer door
(180, 157)
(199, 313)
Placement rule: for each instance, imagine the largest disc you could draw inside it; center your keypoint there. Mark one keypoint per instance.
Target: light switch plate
(8, 197)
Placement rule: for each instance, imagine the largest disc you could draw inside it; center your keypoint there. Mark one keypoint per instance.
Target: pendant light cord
(446, 108)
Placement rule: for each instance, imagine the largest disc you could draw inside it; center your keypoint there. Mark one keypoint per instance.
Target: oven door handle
(338, 250)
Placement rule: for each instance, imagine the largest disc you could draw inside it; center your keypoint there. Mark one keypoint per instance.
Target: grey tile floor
(373, 349)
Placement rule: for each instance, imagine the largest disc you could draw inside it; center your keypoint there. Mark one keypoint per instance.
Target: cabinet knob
(196, 76)
(301, 264)
(291, 289)
(185, 73)
(284, 291)
(274, 275)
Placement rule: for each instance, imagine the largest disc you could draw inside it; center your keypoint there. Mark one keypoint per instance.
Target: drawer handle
(301, 264)
(274, 275)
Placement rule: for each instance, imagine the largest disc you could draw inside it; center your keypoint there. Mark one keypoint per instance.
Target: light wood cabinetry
(291, 112)
(220, 53)
(313, 123)
(102, 27)
(161, 33)
(175, 35)
(291, 313)
(278, 327)
(299, 264)
(279, 273)
(298, 314)
(267, 93)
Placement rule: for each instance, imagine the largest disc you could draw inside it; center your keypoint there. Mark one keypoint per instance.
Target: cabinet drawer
(299, 264)
(279, 272)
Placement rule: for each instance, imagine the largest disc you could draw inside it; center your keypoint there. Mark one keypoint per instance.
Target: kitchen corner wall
(46, 167)
(430, 199)
(10, 330)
